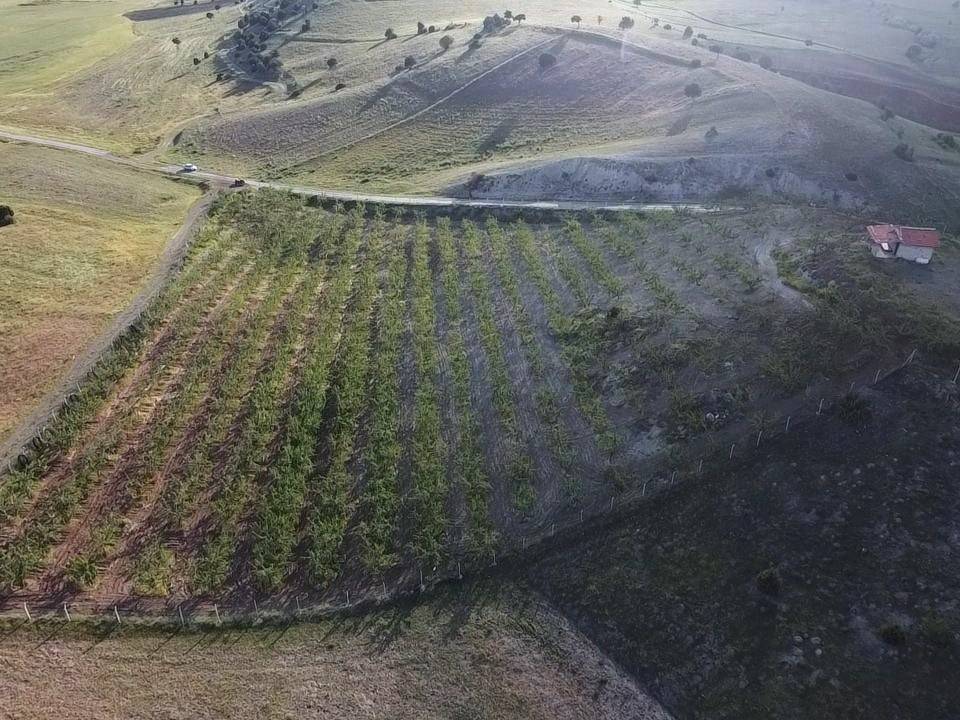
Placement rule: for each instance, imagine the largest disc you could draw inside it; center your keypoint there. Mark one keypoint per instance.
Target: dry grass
(86, 233)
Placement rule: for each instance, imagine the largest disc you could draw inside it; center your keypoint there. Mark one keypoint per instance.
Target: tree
(305, 27)
(389, 34)
(626, 22)
(6, 215)
(421, 28)
(508, 14)
(547, 61)
(914, 52)
(576, 19)
(716, 49)
(196, 61)
(445, 42)
(599, 19)
(692, 90)
(688, 32)
(520, 18)
(176, 41)
(209, 16)
(409, 61)
(331, 63)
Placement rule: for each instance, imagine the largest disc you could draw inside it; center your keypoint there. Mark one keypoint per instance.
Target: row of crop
(278, 520)
(380, 501)
(520, 467)
(145, 459)
(264, 408)
(578, 353)
(65, 428)
(547, 404)
(625, 246)
(428, 466)
(467, 457)
(24, 553)
(591, 254)
(329, 509)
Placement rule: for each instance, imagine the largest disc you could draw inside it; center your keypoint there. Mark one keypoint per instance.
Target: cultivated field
(87, 236)
(339, 400)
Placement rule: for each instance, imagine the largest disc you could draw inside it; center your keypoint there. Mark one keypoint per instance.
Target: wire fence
(32, 607)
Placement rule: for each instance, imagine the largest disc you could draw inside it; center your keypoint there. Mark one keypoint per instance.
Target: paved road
(411, 200)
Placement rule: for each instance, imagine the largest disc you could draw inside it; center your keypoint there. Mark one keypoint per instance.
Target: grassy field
(45, 42)
(330, 399)
(87, 233)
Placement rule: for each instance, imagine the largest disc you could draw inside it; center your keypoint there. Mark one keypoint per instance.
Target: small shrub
(852, 176)
(6, 215)
(432, 29)
(626, 23)
(409, 61)
(389, 34)
(339, 86)
(914, 52)
(893, 634)
(712, 132)
(421, 28)
(808, 43)
(547, 61)
(693, 90)
(887, 114)
(853, 409)
(331, 63)
(668, 26)
(688, 32)
(445, 42)
(769, 581)
(904, 152)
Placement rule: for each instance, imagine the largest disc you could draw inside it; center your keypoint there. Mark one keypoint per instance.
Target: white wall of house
(879, 252)
(920, 255)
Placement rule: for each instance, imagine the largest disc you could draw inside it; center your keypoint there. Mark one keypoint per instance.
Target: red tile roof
(915, 237)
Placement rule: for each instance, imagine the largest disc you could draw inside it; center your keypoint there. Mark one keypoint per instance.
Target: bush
(389, 34)
(712, 132)
(547, 61)
(475, 44)
(904, 152)
(626, 23)
(769, 582)
(893, 634)
(446, 41)
(914, 52)
(6, 215)
(409, 61)
(339, 86)
(808, 43)
(432, 29)
(331, 63)
(688, 32)
(852, 176)
(421, 28)
(693, 90)
(668, 26)
(853, 409)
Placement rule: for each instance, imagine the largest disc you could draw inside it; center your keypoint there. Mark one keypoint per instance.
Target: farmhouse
(897, 241)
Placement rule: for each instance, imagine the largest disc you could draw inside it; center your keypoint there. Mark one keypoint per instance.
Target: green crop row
(380, 501)
(595, 260)
(277, 525)
(330, 502)
(467, 457)
(428, 473)
(520, 471)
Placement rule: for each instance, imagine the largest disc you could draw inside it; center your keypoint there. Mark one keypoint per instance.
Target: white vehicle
(189, 167)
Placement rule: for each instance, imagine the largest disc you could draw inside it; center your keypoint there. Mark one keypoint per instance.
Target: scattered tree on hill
(421, 28)
(445, 42)
(6, 215)
(331, 63)
(656, 22)
(712, 132)
(305, 27)
(692, 90)
(914, 52)
(668, 26)
(808, 43)
(339, 86)
(904, 152)
(688, 32)
(209, 16)
(196, 61)
(626, 23)
(576, 19)
(389, 34)
(409, 61)
(716, 49)
(508, 14)
(206, 55)
(765, 61)
(547, 61)
(520, 18)
(599, 19)
(432, 28)
(176, 41)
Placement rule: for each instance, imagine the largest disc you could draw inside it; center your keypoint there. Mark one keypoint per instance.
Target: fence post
(910, 359)
(786, 428)
(673, 478)
(876, 378)
(459, 572)
(180, 612)
(956, 375)
(759, 436)
(700, 467)
(26, 610)
(298, 606)
(66, 612)
(348, 598)
(820, 406)
(644, 491)
(256, 609)
(216, 611)
(731, 451)
(116, 611)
